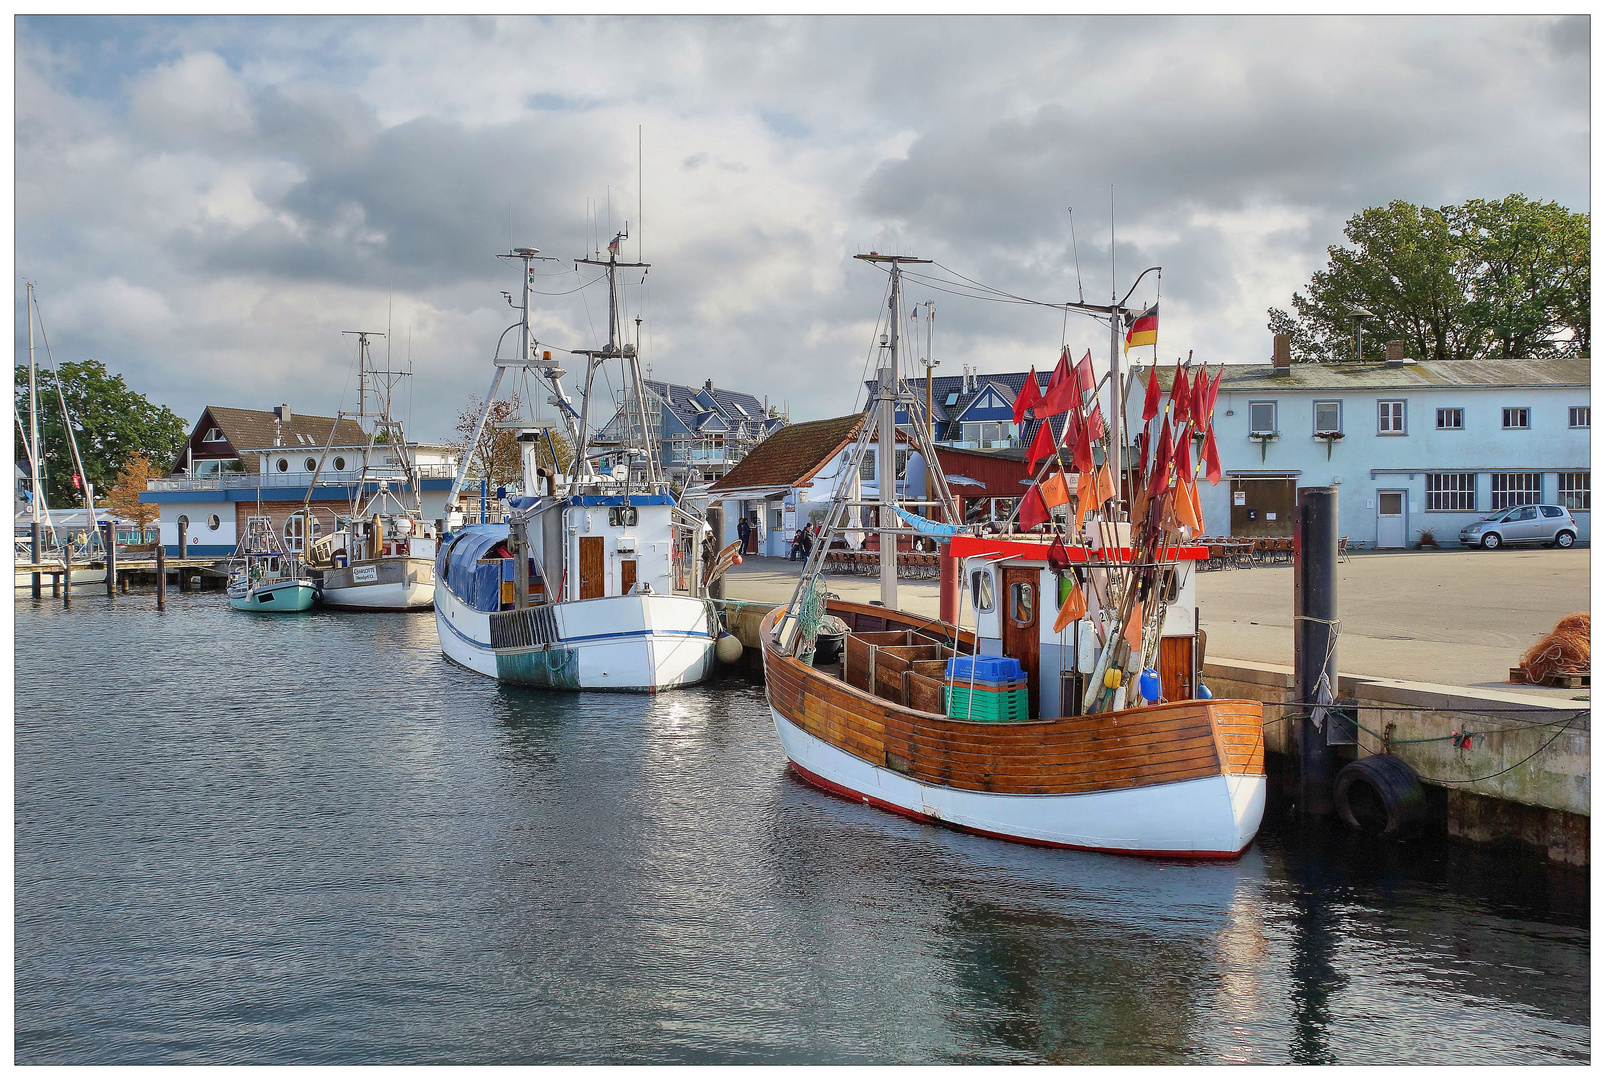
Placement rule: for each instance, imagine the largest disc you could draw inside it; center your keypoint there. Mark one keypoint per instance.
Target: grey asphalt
(1450, 617)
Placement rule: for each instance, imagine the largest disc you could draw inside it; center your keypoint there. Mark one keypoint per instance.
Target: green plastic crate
(988, 706)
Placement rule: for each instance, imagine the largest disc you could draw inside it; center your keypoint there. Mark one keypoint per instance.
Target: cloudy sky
(207, 203)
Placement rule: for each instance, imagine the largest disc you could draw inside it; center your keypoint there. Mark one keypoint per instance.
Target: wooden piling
(161, 578)
(34, 531)
(111, 558)
(66, 576)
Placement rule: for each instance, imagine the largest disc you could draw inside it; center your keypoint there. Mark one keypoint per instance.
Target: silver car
(1542, 524)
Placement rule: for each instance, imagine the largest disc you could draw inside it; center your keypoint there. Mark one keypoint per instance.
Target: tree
(1482, 279)
(110, 422)
(496, 456)
(132, 479)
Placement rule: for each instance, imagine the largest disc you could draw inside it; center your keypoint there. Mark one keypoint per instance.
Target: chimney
(708, 386)
(1281, 354)
(1395, 354)
(283, 413)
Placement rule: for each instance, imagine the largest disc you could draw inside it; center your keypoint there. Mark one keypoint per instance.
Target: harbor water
(310, 839)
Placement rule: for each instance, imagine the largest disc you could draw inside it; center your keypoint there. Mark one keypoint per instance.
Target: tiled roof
(737, 407)
(253, 429)
(1011, 381)
(791, 455)
(1426, 375)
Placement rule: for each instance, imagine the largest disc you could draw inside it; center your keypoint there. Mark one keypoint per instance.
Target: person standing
(743, 530)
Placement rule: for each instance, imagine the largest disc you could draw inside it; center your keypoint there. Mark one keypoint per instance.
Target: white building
(1412, 447)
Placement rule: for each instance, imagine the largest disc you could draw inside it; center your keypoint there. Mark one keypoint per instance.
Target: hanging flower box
(1263, 438)
(1329, 437)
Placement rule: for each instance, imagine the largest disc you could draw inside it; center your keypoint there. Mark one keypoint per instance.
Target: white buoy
(728, 648)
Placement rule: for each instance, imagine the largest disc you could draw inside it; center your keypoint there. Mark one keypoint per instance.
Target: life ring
(1380, 793)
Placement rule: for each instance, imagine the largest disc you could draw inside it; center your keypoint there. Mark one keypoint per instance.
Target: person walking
(743, 530)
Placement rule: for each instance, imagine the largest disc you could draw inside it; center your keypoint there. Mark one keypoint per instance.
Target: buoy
(1111, 678)
(728, 648)
(736, 561)
(1148, 684)
(1203, 692)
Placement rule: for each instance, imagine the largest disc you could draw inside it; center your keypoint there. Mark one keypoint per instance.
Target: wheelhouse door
(592, 568)
(1022, 609)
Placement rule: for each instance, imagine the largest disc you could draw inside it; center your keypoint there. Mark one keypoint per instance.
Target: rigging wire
(874, 341)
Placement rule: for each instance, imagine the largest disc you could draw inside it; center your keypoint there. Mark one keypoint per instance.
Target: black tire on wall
(1380, 794)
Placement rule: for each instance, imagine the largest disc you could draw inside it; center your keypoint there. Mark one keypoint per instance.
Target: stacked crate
(986, 688)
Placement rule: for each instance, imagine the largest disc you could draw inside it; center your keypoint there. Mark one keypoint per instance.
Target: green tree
(110, 422)
(497, 455)
(1506, 278)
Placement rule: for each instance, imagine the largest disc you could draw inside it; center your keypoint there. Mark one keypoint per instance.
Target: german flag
(1145, 330)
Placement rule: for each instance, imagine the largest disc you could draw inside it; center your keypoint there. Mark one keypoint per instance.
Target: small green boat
(264, 577)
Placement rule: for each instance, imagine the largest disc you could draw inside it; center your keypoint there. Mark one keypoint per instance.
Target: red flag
(1033, 511)
(1030, 394)
(1084, 372)
(1200, 406)
(1072, 430)
(1142, 453)
(1150, 404)
(1095, 421)
(1160, 477)
(1212, 471)
(1061, 371)
(1041, 446)
(1062, 398)
(1083, 455)
(1214, 391)
(1184, 453)
(1181, 398)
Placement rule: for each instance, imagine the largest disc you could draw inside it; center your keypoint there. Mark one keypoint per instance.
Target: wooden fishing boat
(1020, 728)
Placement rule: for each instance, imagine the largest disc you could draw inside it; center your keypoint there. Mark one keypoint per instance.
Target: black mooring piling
(1315, 547)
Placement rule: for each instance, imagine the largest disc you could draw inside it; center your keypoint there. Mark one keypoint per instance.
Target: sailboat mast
(34, 456)
(886, 464)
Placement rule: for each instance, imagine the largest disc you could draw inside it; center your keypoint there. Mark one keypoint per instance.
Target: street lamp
(1359, 313)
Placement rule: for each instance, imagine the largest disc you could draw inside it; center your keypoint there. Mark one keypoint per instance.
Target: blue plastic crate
(984, 668)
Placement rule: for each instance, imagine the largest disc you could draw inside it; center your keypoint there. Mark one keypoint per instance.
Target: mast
(627, 354)
(886, 408)
(33, 443)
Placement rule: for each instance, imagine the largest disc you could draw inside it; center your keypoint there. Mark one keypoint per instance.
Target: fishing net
(810, 614)
(1563, 649)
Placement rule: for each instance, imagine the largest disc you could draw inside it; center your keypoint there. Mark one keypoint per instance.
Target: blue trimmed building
(703, 431)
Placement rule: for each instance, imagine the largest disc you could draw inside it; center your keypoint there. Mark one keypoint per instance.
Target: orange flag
(1055, 492)
(1134, 627)
(1198, 507)
(1187, 505)
(1075, 607)
(1085, 486)
(1104, 485)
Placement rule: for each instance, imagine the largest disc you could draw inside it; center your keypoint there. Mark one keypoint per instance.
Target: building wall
(1365, 462)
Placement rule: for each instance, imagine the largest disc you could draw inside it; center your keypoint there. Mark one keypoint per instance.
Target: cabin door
(1176, 668)
(592, 581)
(1022, 607)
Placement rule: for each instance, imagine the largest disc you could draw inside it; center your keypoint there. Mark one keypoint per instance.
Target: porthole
(312, 464)
(339, 464)
(214, 523)
(284, 464)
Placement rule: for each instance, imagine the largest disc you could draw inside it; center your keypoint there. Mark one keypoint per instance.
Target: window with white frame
(1517, 419)
(1452, 491)
(1262, 417)
(1451, 419)
(1578, 416)
(1515, 489)
(991, 433)
(214, 435)
(1390, 418)
(1328, 417)
(1574, 490)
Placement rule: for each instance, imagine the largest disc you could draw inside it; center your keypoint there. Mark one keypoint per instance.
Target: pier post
(1314, 638)
(161, 577)
(66, 576)
(36, 575)
(110, 530)
(947, 605)
(716, 524)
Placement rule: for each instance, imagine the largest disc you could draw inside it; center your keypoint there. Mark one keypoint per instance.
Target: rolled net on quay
(1564, 650)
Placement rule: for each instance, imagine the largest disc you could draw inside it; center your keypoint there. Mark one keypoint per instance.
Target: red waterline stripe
(903, 811)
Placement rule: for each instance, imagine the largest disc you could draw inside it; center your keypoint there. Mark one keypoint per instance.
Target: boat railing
(234, 480)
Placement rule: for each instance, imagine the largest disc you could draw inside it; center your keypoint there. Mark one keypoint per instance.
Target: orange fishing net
(1563, 649)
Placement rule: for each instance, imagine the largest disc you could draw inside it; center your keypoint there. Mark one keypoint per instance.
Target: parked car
(1543, 524)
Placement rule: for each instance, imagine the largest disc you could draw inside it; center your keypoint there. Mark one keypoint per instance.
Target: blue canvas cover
(479, 585)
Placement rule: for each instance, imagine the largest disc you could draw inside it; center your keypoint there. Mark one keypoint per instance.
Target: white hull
(92, 575)
(643, 643)
(389, 596)
(1211, 817)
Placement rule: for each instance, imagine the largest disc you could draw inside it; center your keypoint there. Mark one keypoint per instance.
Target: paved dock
(1455, 618)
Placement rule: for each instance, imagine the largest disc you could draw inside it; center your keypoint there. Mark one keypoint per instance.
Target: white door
(1391, 531)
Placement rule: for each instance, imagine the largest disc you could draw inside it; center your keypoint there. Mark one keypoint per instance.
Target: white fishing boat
(594, 581)
(382, 556)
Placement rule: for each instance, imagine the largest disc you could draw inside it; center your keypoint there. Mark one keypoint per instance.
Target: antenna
(640, 203)
(1080, 296)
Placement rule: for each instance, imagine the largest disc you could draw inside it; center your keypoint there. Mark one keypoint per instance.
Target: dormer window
(213, 435)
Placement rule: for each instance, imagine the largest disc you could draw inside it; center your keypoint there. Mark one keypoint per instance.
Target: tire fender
(1391, 783)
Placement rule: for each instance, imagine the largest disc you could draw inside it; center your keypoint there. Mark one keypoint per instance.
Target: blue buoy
(1148, 684)
(1203, 692)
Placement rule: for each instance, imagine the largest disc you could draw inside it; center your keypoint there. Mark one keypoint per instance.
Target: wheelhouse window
(1262, 417)
(1328, 418)
(1515, 489)
(1022, 602)
(1579, 415)
(1517, 419)
(1574, 490)
(1452, 491)
(622, 517)
(981, 590)
(1390, 418)
(1451, 419)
